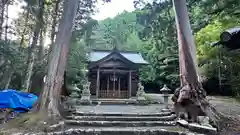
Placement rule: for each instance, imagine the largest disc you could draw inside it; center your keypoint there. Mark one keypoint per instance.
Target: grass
(30, 122)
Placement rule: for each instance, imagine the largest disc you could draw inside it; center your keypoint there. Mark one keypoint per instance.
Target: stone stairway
(122, 120)
(116, 123)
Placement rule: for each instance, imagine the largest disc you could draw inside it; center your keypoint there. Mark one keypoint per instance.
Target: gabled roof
(134, 57)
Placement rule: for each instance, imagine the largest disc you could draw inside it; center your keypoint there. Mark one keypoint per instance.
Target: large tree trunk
(191, 90)
(31, 55)
(51, 93)
(44, 95)
(53, 28)
(54, 21)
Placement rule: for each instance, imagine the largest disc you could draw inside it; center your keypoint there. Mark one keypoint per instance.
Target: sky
(113, 8)
(104, 10)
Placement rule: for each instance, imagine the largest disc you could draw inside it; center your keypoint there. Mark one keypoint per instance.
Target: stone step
(114, 101)
(123, 131)
(120, 123)
(124, 114)
(197, 128)
(124, 118)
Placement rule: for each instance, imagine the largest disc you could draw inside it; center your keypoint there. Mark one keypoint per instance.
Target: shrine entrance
(114, 85)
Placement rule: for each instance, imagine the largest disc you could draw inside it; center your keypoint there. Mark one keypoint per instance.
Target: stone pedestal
(85, 99)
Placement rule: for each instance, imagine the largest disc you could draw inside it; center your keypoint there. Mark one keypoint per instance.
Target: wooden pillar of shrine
(114, 85)
(98, 83)
(119, 93)
(107, 85)
(130, 84)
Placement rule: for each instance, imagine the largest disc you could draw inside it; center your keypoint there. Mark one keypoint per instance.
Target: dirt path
(224, 104)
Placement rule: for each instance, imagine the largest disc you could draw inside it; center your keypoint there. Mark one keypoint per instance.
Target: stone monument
(85, 99)
(141, 94)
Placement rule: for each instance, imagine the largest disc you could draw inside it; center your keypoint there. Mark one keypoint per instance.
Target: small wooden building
(114, 74)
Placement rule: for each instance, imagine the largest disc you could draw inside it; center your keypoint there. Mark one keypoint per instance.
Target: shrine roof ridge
(133, 56)
(106, 50)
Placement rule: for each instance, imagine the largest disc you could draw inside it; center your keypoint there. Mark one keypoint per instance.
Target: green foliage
(120, 31)
(160, 45)
(222, 8)
(76, 61)
(80, 45)
(13, 58)
(217, 62)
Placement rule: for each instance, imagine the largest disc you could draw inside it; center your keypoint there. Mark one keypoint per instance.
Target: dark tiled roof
(233, 30)
(134, 57)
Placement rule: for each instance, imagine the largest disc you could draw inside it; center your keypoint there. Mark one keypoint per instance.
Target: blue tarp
(17, 100)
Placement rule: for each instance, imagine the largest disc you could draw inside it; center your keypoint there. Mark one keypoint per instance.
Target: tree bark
(54, 21)
(31, 55)
(53, 28)
(191, 91)
(51, 93)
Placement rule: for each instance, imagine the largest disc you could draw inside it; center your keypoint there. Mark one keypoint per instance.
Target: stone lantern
(165, 90)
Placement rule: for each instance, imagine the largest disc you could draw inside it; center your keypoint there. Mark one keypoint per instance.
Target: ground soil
(224, 104)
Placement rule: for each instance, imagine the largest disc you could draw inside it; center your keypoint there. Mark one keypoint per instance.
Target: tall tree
(191, 90)
(31, 55)
(51, 92)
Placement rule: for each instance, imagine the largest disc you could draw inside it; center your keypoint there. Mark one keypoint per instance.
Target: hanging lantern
(113, 78)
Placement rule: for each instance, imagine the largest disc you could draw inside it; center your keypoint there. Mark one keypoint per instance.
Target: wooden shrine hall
(114, 74)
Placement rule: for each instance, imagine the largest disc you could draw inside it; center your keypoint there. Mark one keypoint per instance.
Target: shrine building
(114, 73)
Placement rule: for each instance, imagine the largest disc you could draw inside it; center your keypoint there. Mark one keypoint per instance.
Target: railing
(113, 94)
